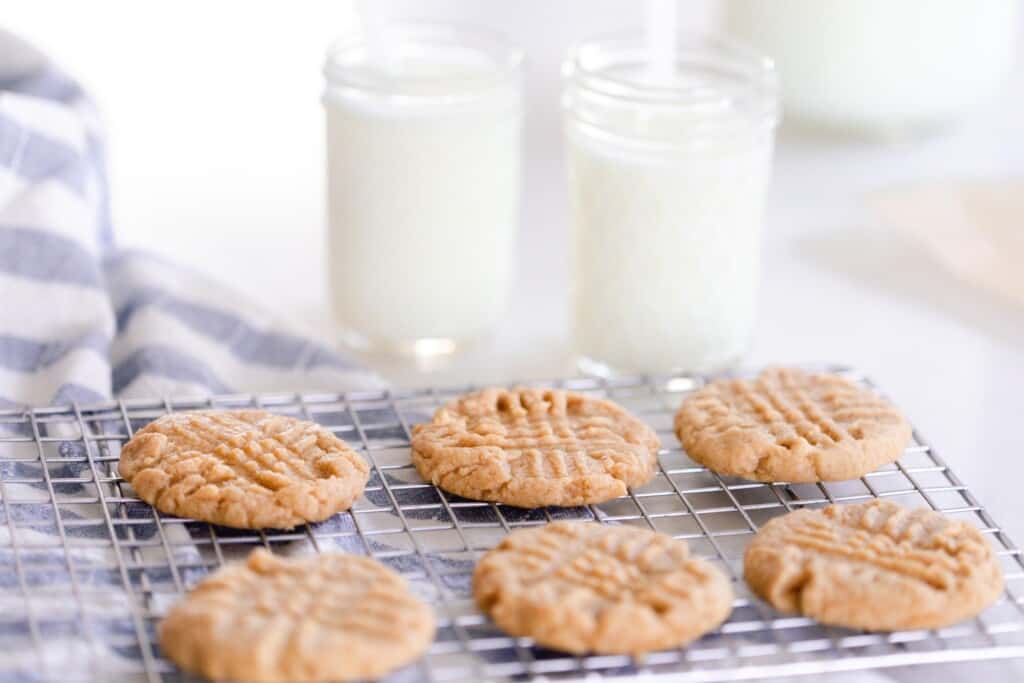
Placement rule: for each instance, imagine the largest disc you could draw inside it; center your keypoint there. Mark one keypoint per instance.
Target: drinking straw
(372, 22)
(660, 36)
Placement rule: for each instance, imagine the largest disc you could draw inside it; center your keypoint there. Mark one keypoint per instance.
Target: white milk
(666, 256)
(881, 64)
(423, 195)
(667, 205)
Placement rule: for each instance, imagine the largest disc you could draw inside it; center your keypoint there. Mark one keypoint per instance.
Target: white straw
(661, 31)
(372, 22)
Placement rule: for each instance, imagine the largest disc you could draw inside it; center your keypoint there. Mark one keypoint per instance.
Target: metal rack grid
(87, 570)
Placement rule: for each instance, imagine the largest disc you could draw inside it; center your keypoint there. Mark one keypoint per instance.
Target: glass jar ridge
(719, 85)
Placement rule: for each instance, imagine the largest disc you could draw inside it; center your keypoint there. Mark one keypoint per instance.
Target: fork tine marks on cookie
(584, 587)
(787, 425)
(534, 448)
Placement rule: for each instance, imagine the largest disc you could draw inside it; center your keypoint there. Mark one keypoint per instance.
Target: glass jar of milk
(667, 180)
(423, 165)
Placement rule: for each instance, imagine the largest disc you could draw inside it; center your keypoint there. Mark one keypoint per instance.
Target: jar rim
(590, 65)
(351, 50)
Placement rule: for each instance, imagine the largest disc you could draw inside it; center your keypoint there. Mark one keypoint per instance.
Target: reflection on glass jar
(423, 148)
(667, 183)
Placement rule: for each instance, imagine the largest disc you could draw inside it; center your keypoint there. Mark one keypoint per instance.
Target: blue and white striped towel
(81, 320)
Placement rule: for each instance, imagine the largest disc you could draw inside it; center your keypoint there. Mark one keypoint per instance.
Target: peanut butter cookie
(586, 587)
(319, 618)
(535, 447)
(875, 566)
(247, 468)
(788, 425)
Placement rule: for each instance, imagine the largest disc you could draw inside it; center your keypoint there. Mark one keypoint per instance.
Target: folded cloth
(81, 320)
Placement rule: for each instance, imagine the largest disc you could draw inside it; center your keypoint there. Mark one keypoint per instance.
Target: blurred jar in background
(881, 66)
(423, 165)
(667, 180)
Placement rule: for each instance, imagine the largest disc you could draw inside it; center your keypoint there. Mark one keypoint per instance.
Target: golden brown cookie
(874, 565)
(243, 468)
(587, 587)
(535, 447)
(319, 618)
(789, 425)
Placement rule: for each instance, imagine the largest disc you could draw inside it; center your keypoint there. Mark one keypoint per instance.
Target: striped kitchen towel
(81, 320)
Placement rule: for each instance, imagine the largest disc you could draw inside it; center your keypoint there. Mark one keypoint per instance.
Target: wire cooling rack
(87, 570)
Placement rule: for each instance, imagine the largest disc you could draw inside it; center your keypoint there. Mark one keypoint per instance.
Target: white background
(216, 142)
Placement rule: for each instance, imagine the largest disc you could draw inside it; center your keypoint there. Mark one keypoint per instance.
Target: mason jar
(423, 183)
(667, 181)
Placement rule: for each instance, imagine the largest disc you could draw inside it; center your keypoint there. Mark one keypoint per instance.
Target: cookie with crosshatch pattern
(318, 618)
(587, 587)
(874, 565)
(248, 469)
(534, 448)
(789, 425)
